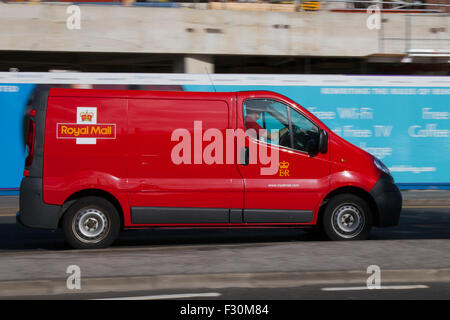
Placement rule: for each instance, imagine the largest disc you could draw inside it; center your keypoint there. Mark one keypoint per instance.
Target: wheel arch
(92, 192)
(366, 196)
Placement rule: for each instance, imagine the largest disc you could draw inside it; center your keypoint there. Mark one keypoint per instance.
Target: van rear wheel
(347, 217)
(91, 223)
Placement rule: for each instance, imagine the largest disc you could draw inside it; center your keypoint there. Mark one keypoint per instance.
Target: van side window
(276, 123)
(267, 120)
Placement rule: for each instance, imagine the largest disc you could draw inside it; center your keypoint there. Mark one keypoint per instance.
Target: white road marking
(169, 296)
(404, 287)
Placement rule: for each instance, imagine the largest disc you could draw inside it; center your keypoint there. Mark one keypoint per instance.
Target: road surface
(414, 258)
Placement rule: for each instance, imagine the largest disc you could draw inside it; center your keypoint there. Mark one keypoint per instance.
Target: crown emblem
(86, 116)
(284, 165)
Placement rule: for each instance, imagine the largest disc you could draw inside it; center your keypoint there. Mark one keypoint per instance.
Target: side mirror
(323, 141)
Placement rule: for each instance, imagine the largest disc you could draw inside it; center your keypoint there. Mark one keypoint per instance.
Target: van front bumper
(388, 199)
(33, 212)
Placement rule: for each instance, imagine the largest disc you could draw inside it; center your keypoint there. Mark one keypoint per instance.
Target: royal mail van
(102, 161)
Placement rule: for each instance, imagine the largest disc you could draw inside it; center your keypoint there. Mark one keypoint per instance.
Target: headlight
(380, 165)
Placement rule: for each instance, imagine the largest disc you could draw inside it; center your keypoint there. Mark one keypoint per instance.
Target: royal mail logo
(284, 165)
(86, 130)
(87, 116)
(97, 131)
(284, 169)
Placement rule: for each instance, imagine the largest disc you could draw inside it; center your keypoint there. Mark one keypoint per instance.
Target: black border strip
(172, 215)
(277, 216)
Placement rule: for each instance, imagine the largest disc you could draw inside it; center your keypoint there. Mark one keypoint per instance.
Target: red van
(101, 161)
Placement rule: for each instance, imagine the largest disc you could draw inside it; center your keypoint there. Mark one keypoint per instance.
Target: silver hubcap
(348, 221)
(90, 225)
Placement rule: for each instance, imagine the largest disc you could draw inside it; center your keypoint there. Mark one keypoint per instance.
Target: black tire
(91, 223)
(347, 217)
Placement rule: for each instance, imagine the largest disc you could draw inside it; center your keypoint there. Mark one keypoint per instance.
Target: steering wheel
(284, 140)
(300, 137)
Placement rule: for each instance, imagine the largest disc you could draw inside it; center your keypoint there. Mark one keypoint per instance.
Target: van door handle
(245, 156)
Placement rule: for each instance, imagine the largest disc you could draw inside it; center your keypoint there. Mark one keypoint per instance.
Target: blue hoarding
(13, 99)
(405, 121)
(407, 127)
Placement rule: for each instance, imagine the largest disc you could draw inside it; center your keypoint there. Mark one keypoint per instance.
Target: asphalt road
(421, 241)
(415, 224)
(424, 291)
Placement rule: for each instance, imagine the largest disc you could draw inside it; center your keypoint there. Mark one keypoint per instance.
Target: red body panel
(70, 167)
(154, 180)
(131, 157)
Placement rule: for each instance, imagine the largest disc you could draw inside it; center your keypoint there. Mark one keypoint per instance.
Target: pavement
(8, 204)
(426, 198)
(33, 263)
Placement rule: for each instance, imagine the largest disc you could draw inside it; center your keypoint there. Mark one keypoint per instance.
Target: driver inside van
(254, 129)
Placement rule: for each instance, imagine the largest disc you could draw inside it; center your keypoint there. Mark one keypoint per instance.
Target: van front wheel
(347, 217)
(91, 223)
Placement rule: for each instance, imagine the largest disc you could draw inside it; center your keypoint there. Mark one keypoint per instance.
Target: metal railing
(393, 6)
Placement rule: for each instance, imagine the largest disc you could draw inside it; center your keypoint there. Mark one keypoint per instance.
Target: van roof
(100, 93)
(149, 94)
